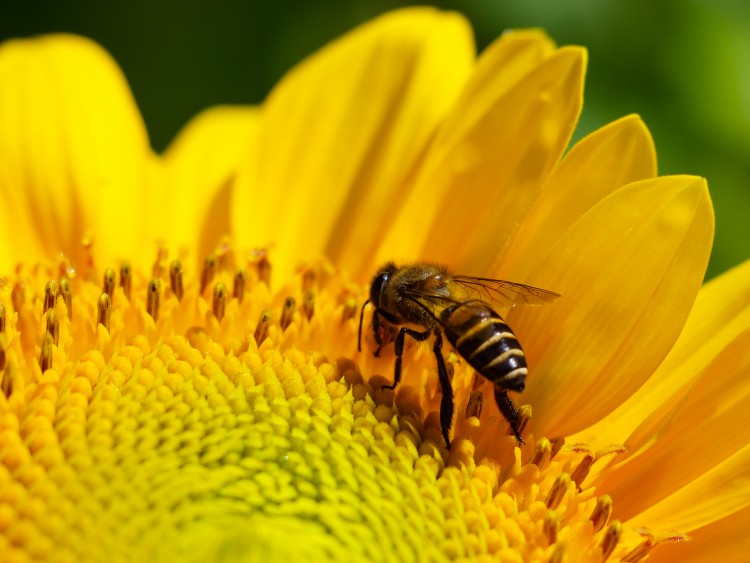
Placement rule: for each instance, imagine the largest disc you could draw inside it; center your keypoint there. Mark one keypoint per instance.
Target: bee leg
(506, 406)
(376, 327)
(446, 403)
(416, 335)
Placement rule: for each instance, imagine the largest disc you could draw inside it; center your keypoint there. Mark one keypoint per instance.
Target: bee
(430, 297)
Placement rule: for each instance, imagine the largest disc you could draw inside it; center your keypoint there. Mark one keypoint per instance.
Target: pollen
(141, 423)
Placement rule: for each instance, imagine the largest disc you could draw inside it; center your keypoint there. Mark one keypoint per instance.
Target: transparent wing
(504, 293)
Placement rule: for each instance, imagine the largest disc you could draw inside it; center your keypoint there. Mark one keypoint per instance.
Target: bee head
(379, 281)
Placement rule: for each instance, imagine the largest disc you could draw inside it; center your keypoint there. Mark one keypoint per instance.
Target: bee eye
(377, 286)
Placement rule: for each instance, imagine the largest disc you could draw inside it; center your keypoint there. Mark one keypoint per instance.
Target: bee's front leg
(376, 328)
(446, 403)
(416, 335)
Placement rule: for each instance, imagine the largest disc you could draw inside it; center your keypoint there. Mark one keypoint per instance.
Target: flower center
(201, 417)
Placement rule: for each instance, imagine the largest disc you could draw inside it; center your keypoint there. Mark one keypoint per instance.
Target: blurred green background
(683, 65)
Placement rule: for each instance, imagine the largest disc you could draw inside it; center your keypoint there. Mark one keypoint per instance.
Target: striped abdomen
(481, 336)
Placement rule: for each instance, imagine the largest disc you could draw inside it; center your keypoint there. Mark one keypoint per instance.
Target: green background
(683, 65)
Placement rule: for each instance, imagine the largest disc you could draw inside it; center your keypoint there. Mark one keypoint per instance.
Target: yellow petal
(720, 314)
(714, 495)
(201, 165)
(74, 150)
(725, 540)
(609, 158)
(342, 131)
(477, 182)
(713, 418)
(628, 272)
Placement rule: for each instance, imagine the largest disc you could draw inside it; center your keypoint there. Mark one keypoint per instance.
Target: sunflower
(180, 374)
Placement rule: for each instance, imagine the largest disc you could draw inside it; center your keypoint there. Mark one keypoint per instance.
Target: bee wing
(504, 293)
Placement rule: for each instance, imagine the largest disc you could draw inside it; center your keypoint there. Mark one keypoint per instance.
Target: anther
(152, 299)
(582, 471)
(261, 331)
(209, 269)
(557, 444)
(53, 326)
(103, 306)
(524, 416)
(474, 405)
(108, 284)
(45, 355)
(50, 292)
(308, 304)
(558, 490)
(175, 279)
(17, 297)
(287, 312)
(238, 290)
(126, 278)
(220, 300)
(542, 453)
(2, 318)
(551, 526)
(264, 270)
(611, 537)
(64, 293)
(349, 310)
(639, 552)
(601, 513)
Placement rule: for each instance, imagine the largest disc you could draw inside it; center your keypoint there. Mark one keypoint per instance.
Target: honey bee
(430, 297)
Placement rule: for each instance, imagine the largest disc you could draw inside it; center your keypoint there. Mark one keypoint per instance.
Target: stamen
(238, 291)
(474, 405)
(175, 279)
(349, 310)
(601, 513)
(542, 453)
(161, 257)
(261, 331)
(582, 470)
(17, 296)
(287, 312)
(220, 300)
(558, 490)
(126, 278)
(45, 354)
(639, 552)
(6, 374)
(308, 304)
(152, 299)
(103, 306)
(67, 297)
(551, 526)
(557, 445)
(50, 292)
(558, 555)
(108, 285)
(2, 318)
(53, 326)
(308, 279)
(209, 270)
(524, 416)
(264, 269)
(611, 537)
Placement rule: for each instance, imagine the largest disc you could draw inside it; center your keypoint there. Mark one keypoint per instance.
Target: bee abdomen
(491, 348)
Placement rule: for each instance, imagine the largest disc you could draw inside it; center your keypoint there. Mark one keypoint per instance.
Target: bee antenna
(359, 333)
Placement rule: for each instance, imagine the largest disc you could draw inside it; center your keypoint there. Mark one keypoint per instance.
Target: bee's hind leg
(509, 411)
(446, 403)
(416, 335)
